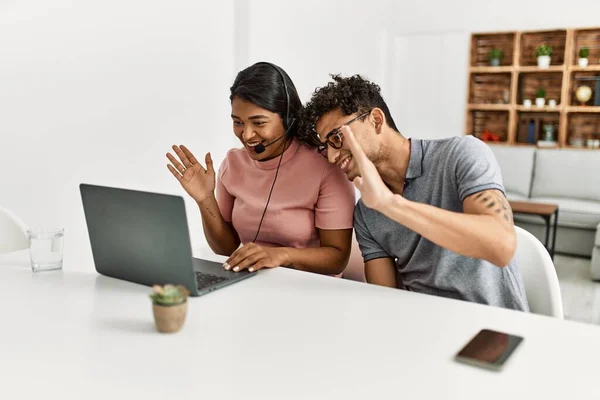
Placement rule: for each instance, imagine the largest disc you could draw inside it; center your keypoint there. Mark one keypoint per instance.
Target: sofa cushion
(566, 173)
(597, 241)
(571, 212)
(516, 166)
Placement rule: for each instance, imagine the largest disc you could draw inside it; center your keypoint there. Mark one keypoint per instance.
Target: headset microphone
(260, 148)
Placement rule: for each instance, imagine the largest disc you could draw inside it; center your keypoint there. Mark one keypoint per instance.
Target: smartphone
(489, 349)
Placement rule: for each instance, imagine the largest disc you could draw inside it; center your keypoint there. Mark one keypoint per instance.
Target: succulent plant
(584, 52)
(495, 53)
(169, 295)
(543, 50)
(541, 93)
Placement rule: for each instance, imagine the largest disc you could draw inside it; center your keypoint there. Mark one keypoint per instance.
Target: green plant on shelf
(543, 50)
(540, 93)
(495, 54)
(584, 52)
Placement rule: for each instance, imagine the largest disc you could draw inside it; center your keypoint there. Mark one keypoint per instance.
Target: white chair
(355, 270)
(13, 232)
(539, 275)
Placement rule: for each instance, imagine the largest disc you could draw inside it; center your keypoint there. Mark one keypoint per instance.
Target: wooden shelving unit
(495, 94)
(492, 70)
(491, 107)
(552, 68)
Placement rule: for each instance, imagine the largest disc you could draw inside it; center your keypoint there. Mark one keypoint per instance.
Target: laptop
(143, 237)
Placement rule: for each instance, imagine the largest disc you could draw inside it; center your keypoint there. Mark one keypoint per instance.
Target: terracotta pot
(169, 319)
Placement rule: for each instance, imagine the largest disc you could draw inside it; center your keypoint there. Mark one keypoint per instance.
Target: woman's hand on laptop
(198, 182)
(254, 257)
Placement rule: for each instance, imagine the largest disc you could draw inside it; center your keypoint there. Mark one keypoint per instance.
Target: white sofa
(567, 177)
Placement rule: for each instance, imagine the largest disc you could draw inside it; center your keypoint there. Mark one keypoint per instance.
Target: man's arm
(382, 272)
(484, 231)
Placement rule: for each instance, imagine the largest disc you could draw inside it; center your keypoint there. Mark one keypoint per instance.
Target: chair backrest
(355, 270)
(539, 275)
(13, 232)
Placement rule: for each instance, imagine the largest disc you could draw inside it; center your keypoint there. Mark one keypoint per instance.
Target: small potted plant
(169, 305)
(584, 52)
(543, 53)
(540, 97)
(495, 55)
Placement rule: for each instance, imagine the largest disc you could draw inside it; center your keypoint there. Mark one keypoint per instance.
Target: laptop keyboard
(205, 280)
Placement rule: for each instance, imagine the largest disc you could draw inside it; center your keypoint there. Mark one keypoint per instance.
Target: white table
(279, 335)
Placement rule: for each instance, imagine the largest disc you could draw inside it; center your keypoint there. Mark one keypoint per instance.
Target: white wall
(98, 91)
(312, 38)
(416, 51)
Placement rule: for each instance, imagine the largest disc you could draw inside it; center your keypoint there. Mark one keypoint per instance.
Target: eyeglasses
(335, 138)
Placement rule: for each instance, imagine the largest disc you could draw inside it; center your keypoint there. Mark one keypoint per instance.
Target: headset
(288, 121)
(260, 148)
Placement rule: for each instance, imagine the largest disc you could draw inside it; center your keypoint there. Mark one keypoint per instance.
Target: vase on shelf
(548, 132)
(548, 139)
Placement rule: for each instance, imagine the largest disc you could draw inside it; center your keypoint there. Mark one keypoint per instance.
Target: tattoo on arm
(498, 203)
(210, 212)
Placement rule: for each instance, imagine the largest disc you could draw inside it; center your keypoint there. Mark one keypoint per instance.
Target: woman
(276, 196)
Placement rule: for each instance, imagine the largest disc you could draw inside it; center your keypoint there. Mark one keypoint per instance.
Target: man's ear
(378, 117)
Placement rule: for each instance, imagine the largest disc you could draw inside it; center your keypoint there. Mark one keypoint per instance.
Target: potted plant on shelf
(584, 52)
(540, 97)
(543, 53)
(495, 55)
(169, 306)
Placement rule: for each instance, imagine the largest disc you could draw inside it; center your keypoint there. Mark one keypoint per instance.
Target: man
(433, 217)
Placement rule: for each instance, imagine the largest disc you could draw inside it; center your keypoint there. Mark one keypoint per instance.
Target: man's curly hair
(351, 95)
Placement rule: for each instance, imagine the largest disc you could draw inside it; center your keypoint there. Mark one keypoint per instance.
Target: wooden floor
(581, 295)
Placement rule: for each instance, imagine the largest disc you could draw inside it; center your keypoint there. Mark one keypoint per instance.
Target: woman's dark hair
(351, 95)
(262, 85)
